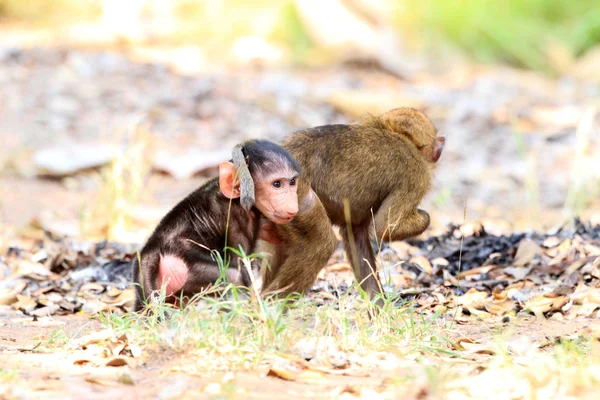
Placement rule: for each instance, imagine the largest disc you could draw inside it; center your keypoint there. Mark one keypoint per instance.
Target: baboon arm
(308, 241)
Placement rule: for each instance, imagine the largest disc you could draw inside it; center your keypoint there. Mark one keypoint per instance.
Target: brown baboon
(381, 168)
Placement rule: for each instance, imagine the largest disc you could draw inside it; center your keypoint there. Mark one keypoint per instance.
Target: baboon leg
(396, 220)
(361, 256)
(308, 243)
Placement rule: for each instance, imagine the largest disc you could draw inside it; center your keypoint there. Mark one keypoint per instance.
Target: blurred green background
(536, 34)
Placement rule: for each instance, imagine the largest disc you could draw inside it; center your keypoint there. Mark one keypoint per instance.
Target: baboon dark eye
(277, 184)
(292, 182)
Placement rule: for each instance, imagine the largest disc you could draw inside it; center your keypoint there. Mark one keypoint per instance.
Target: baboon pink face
(277, 197)
(274, 181)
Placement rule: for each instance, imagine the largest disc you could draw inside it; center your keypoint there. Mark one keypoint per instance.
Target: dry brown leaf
(500, 307)
(479, 348)
(92, 288)
(457, 345)
(585, 293)
(519, 273)
(310, 376)
(352, 390)
(94, 306)
(116, 347)
(439, 261)
(136, 351)
(591, 250)
(476, 311)
(400, 281)
(34, 270)
(470, 229)
(8, 294)
(440, 297)
(541, 304)
(404, 250)
(551, 241)
(526, 252)
(24, 303)
(476, 271)
(588, 308)
(561, 252)
(282, 373)
(473, 296)
(520, 291)
(124, 298)
(114, 292)
(423, 264)
(45, 311)
(117, 362)
(499, 294)
(449, 279)
(575, 266)
(67, 305)
(339, 267)
(91, 339)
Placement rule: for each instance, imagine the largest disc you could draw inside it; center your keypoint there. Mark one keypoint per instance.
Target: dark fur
(200, 219)
(264, 157)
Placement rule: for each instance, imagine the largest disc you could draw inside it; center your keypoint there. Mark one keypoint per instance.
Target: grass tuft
(229, 323)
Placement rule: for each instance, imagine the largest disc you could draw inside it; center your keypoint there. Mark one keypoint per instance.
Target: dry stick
(462, 239)
(246, 182)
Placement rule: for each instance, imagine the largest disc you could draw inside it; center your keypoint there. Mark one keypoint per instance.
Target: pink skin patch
(172, 272)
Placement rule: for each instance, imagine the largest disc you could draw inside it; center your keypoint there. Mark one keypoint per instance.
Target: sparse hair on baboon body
(381, 167)
(254, 192)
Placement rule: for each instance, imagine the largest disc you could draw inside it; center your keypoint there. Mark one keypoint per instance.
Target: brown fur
(383, 167)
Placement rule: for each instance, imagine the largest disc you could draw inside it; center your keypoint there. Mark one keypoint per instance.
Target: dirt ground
(51, 373)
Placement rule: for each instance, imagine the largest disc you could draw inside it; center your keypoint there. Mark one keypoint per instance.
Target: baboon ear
(227, 173)
(438, 147)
